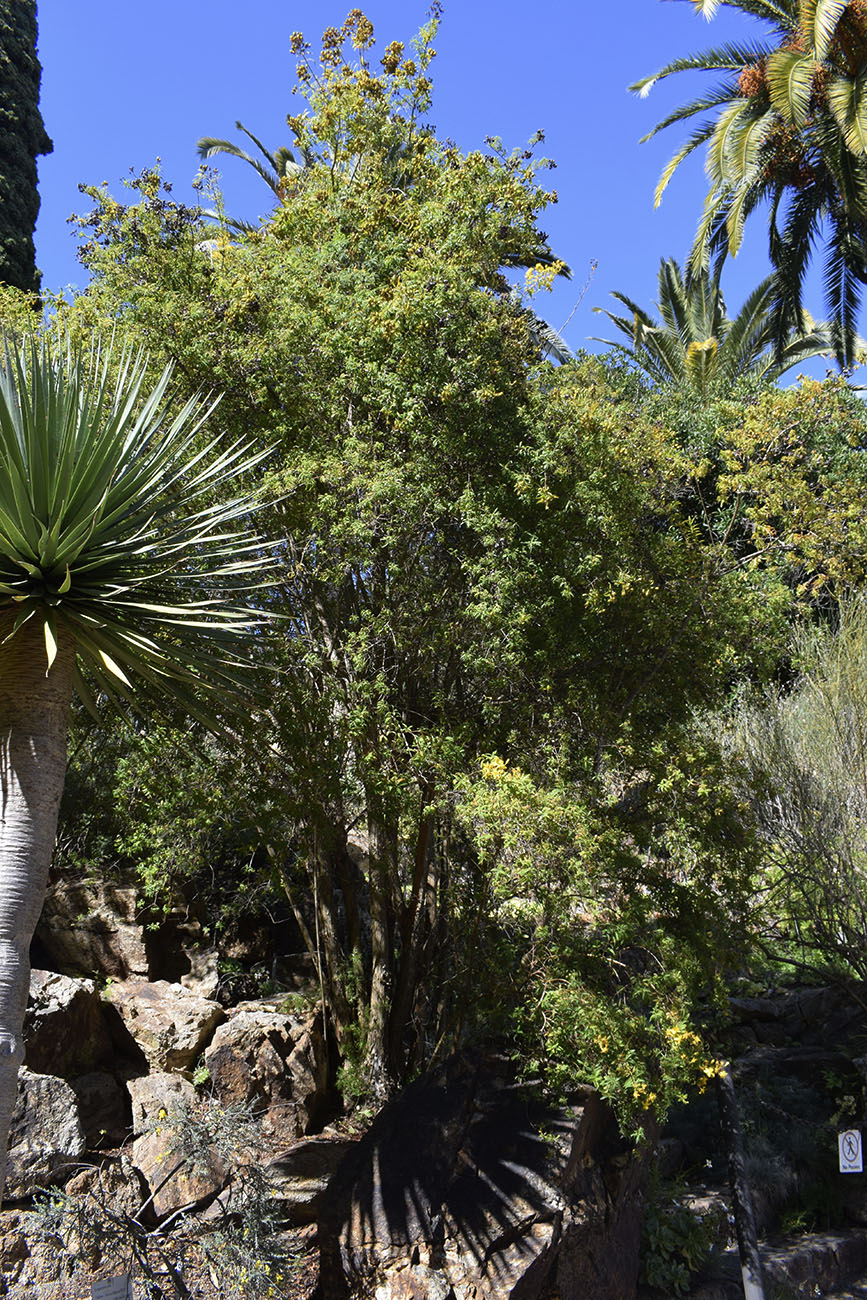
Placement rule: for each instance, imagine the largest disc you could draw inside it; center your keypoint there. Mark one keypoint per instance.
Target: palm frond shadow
(465, 1157)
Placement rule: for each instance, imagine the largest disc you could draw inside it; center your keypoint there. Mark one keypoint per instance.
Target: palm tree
(279, 171)
(787, 127)
(115, 527)
(698, 344)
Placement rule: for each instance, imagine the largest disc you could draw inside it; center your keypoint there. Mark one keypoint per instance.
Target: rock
(93, 925)
(46, 1135)
(467, 1186)
(177, 1174)
(169, 1023)
(301, 1175)
(455, 1190)
(158, 1149)
(203, 977)
(276, 1062)
(31, 1266)
(115, 1185)
(64, 1030)
(805, 1017)
(103, 1106)
(157, 1092)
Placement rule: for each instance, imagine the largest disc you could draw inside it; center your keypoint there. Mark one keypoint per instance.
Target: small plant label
(112, 1288)
(851, 1151)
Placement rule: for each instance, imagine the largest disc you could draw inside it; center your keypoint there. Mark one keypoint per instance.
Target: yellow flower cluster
(643, 1095)
(541, 277)
(690, 1046)
(493, 768)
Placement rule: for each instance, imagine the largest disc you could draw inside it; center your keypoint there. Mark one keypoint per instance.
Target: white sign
(851, 1151)
(112, 1288)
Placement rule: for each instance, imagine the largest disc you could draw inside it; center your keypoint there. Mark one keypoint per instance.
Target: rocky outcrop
(467, 1186)
(64, 1028)
(93, 925)
(169, 1024)
(276, 1062)
(174, 1176)
(46, 1137)
(302, 1175)
(31, 1266)
(810, 1018)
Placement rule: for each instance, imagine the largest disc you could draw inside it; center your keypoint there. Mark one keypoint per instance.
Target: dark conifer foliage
(22, 139)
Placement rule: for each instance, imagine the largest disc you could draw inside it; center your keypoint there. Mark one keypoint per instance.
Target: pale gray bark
(34, 708)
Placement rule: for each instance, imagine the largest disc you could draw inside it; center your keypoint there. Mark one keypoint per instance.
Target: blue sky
(125, 84)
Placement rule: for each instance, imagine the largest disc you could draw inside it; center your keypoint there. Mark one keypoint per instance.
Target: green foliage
(785, 132)
(22, 138)
(804, 753)
(698, 345)
(370, 331)
(91, 542)
(677, 1241)
(506, 591)
(617, 938)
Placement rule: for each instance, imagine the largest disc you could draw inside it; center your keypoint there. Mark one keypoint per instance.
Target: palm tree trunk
(34, 707)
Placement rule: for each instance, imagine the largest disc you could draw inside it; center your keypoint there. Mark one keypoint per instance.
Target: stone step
(827, 1264)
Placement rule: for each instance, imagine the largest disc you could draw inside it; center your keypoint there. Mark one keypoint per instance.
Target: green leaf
(114, 668)
(847, 97)
(827, 15)
(790, 83)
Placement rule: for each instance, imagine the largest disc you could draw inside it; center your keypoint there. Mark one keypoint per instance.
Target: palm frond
(123, 528)
(826, 17)
(732, 57)
(790, 83)
(847, 99)
(695, 141)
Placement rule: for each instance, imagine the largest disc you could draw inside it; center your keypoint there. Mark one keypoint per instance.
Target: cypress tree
(22, 138)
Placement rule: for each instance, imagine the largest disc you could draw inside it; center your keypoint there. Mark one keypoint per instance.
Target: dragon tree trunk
(34, 708)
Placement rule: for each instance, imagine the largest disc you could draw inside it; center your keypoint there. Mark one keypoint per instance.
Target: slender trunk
(329, 954)
(600, 1249)
(34, 708)
(410, 947)
(377, 1063)
(742, 1200)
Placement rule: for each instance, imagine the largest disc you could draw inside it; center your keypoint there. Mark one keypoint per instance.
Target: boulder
(116, 1186)
(276, 1062)
(157, 1092)
(467, 1186)
(64, 1029)
(31, 1267)
(203, 977)
(46, 1136)
(174, 1175)
(168, 1023)
(93, 925)
(301, 1175)
(454, 1191)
